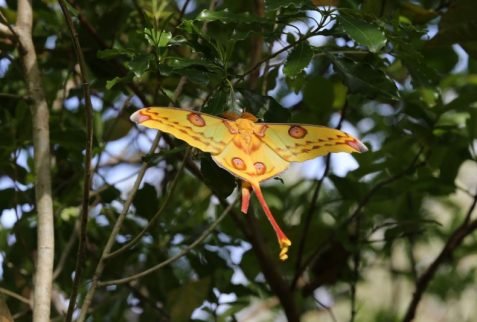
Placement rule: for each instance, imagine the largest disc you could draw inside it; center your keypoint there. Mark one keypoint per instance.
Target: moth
(248, 149)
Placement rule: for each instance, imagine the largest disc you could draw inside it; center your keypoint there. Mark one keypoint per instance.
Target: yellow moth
(250, 150)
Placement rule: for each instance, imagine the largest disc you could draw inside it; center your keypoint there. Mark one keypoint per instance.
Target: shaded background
(367, 230)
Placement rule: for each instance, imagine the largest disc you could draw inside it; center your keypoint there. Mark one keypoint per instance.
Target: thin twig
(112, 237)
(311, 211)
(312, 33)
(66, 251)
(412, 166)
(182, 12)
(327, 308)
(117, 226)
(455, 240)
(7, 28)
(186, 250)
(355, 274)
(307, 221)
(80, 258)
(15, 96)
(165, 202)
(16, 296)
(117, 66)
(268, 265)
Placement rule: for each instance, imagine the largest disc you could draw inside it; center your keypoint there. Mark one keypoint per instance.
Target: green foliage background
(402, 75)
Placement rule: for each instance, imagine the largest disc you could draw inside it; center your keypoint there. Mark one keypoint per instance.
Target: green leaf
(218, 179)
(348, 188)
(164, 154)
(416, 64)
(458, 25)
(273, 5)
(417, 13)
(157, 38)
(217, 103)
(145, 201)
(361, 77)
(114, 52)
(139, 64)
(318, 96)
(118, 80)
(298, 59)
(363, 32)
(110, 194)
(276, 112)
(226, 16)
(472, 123)
(116, 128)
(184, 300)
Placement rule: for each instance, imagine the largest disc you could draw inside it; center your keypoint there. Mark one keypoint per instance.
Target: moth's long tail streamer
(283, 240)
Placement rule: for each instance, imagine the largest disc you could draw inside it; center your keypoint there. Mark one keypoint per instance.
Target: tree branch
(309, 287)
(311, 210)
(41, 146)
(112, 237)
(257, 44)
(80, 258)
(454, 241)
(117, 66)
(15, 296)
(199, 240)
(6, 29)
(269, 266)
(165, 202)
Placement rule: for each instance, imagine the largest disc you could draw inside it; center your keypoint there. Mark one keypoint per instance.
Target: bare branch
(117, 226)
(5, 28)
(5, 31)
(454, 241)
(41, 145)
(269, 266)
(355, 272)
(157, 214)
(257, 46)
(199, 240)
(311, 211)
(80, 258)
(15, 296)
(112, 237)
(309, 287)
(116, 65)
(66, 251)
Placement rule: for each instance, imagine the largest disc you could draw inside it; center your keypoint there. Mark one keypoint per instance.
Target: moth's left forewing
(300, 142)
(203, 131)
